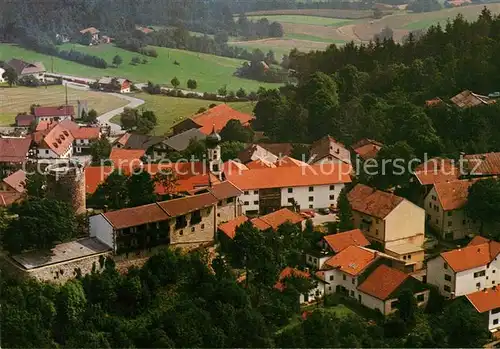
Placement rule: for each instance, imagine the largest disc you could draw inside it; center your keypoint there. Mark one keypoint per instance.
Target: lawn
(19, 99)
(299, 19)
(171, 110)
(210, 71)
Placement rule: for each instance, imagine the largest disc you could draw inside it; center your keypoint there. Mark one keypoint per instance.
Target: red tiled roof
(437, 170)
(282, 177)
(327, 146)
(259, 163)
(433, 102)
(95, 175)
(275, 219)
(352, 260)
(341, 241)
(224, 190)
(367, 148)
(233, 167)
(64, 110)
(16, 181)
(218, 117)
(135, 216)
(126, 157)
(123, 139)
(7, 198)
(373, 202)
(382, 282)
(453, 195)
(24, 119)
(69, 124)
(287, 273)
(90, 30)
(58, 139)
(485, 300)
(472, 256)
(178, 207)
(14, 150)
(467, 99)
(483, 164)
(229, 228)
(86, 133)
(288, 161)
(187, 184)
(478, 240)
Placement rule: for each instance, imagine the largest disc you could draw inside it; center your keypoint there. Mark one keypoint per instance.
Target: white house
(57, 143)
(305, 187)
(487, 302)
(315, 293)
(85, 137)
(2, 80)
(64, 112)
(328, 150)
(445, 209)
(466, 270)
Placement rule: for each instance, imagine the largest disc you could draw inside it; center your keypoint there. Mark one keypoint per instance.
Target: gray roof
(181, 141)
(108, 79)
(140, 141)
(25, 68)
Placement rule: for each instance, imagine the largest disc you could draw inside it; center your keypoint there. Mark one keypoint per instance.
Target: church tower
(214, 154)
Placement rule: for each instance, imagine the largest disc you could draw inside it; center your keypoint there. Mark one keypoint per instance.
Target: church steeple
(214, 153)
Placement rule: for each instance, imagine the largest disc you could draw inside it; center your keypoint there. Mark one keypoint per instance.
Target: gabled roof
(24, 68)
(339, 242)
(288, 161)
(178, 207)
(58, 139)
(352, 260)
(257, 151)
(69, 124)
(180, 141)
(7, 198)
(24, 119)
(367, 148)
(259, 163)
(86, 133)
(383, 282)
(16, 181)
(373, 202)
(275, 219)
(139, 141)
(472, 256)
(90, 30)
(218, 116)
(95, 175)
(289, 272)
(437, 170)
(327, 146)
(126, 157)
(229, 228)
(233, 167)
(282, 177)
(467, 99)
(483, 164)
(60, 111)
(135, 216)
(14, 150)
(224, 190)
(485, 300)
(453, 195)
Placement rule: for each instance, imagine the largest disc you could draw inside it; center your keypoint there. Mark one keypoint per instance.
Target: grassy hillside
(19, 99)
(171, 110)
(211, 72)
(301, 19)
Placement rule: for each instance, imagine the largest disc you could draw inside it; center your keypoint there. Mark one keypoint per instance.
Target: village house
(186, 222)
(303, 187)
(466, 270)
(367, 148)
(24, 120)
(126, 158)
(382, 287)
(482, 165)
(84, 138)
(316, 293)
(52, 114)
(391, 221)
(118, 85)
(431, 172)
(445, 209)
(94, 35)
(487, 303)
(333, 244)
(56, 142)
(269, 152)
(23, 69)
(216, 117)
(15, 182)
(328, 150)
(468, 99)
(2, 71)
(14, 152)
(154, 146)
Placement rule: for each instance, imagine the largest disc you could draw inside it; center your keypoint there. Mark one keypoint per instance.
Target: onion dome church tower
(214, 154)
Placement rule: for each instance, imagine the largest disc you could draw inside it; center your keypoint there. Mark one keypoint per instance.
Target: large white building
(302, 186)
(466, 270)
(487, 302)
(57, 143)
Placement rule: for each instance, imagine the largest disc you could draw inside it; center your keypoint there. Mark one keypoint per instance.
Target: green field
(211, 72)
(423, 24)
(299, 19)
(313, 38)
(171, 110)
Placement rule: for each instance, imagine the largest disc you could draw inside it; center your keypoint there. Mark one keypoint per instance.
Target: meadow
(301, 19)
(210, 71)
(171, 110)
(19, 99)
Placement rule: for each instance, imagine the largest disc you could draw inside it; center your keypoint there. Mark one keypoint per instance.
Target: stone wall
(227, 211)
(197, 233)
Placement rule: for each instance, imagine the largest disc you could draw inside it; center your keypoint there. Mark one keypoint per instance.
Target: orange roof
(218, 117)
(382, 282)
(95, 175)
(478, 240)
(433, 102)
(43, 125)
(437, 170)
(275, 219)
(260, 224)
(16, 180)
(126, 157)
(7, 198)
(485, 300)
(367, 148)
(282, 177)
(189, 184)
(229, 228)
(233, 167)
(287, 273)
(341, 241)
(472, 256)
(123, 139)
(181, 206)
(58, 139)
(352, 260)
(259, 163)
(453, 195)
(483, 164)
(289, 161)
(86, 133)
(134, 216)
(373, 202)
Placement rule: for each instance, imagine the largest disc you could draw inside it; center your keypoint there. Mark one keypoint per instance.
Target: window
(437, 221)
(449, 223)
(430, 204)
(192, 230)
(218, 215)
(290, 190)
(246, 203)
(449, 213)
(493, 271)
(256, 202)
(332, 187)
(376, 231)
(343, 277)
(203, 226)
(311, 206)
(404, 257)
(495, 311)
(433, 197)
(256, 192)
(219, 203)
(46, 151)
(331, 277)
(420, 298)
(478, 285)
(310, 258)
(353, 281)
(311, 198)
(394, 304)
(332, 197)
(181, 232)
(479, 273)
(230, 200)
(409, 256)
(447, 288)
(495, 322)
(311, 188)
(352, 293)
(445, 265)
(463, 222)
(246, 192)
(447, 277)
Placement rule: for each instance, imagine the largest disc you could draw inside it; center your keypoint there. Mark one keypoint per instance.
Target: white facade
(306, 197)
(316, 293)
(336, 278)
(494, 319)
(53, 118)
(451, 284)
(1, 73)
(101, 229)
(44, 153)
